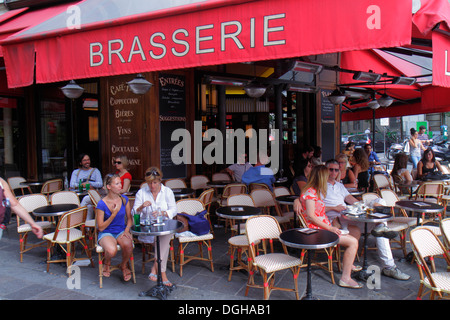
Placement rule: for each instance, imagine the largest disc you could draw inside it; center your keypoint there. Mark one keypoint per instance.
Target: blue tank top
(118, 224)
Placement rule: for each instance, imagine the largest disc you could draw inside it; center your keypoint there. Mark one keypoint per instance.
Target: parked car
(361, 139)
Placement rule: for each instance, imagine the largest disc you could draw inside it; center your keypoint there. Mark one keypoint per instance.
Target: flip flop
(126, 274)
(167, 283)
(152, 276)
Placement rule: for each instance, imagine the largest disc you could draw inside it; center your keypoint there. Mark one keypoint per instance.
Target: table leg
(309, 295)
(160, 290)
(363, 274)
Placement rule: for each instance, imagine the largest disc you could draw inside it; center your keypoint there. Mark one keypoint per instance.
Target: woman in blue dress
(114, 222)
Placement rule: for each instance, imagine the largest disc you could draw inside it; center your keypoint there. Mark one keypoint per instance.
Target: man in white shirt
(86, 174)
(238, 169)
(335, 202)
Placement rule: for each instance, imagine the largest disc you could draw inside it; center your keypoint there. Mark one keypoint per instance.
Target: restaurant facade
(202, 57)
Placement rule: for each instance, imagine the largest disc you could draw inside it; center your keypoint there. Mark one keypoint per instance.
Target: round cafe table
(183, 192)
(366, 218)
(237, 213)
(168, 227)
(302, 239)
(419, 207)
(54, 210)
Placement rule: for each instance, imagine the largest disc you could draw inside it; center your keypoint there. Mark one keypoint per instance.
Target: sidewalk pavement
(30, 281)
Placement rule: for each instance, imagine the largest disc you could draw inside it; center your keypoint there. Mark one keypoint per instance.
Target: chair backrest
(389, 196)
(51, 186)
(430, 190)
(95, 196)
(199, 182)
(221, 176)
(234, 188)
(414, 173)
(281, 191)
(262, 227)
(445, 229)
(14, 183)
(240, 200)
(255, 186)
(33, 201)
(72, 219)
(207, 197)
(190, 206)
(175, 183)
(381, 182)
(263, 198)
(368, 197)
(64, 197)
(445, 169)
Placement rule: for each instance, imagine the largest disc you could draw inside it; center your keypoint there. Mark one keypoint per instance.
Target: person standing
(415, 147)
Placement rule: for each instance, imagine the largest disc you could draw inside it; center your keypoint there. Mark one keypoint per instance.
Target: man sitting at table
(335, 202)
(259, 173)
(238, 169)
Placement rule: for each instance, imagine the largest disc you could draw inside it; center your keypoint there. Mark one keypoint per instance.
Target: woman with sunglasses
(152, 196)
(312, 202)
(114, 222)
(121, 164)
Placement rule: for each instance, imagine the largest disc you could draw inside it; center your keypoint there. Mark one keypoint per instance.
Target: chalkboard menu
(327, 125)
(172, 116)
(125, 113)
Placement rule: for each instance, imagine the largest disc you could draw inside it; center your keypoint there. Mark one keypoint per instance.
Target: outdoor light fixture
(385, 100)
(337, 97)
(373, 104)
(223, 81)
(366, 76)
(254, 90)
(302, 66)
(302, 89)
(139, 85)
(404, 80)
(72, 90)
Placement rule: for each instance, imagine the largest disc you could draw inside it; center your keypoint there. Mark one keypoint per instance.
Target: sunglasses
(152, 173)
(117, 162)
(333, 169)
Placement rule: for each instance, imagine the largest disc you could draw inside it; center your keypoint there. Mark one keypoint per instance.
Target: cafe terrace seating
(175, 183)
(242, 199)
(31, 202)
(445, 230)
(64, 197)
(231, 189)
(15, 183)
(192, 207)
(426, 245)
(69, 231)
(51, 186)
(101, 253)
(259, 228)
(221, 176)
(199, 182)
(265, 199)
(207, 198)
(430, 192)
(95, 197)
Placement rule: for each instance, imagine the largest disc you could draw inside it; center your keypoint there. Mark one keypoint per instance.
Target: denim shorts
(104, 234)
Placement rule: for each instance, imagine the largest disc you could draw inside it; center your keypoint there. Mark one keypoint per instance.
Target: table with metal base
(319, 239)
(366, 218)
(237, 213)
(288, 199)
(168, 227)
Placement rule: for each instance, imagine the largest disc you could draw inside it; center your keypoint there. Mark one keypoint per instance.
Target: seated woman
(112, 212)
(314, 214)
(428, 164)
(304, 168)
(349, 150)
(121, 164)
(361, 168)
(400, 173)
(156, 195)
(346, 175)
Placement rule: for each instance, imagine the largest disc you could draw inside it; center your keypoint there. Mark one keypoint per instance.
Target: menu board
(327, 125)
(172, 116)
(125, 118)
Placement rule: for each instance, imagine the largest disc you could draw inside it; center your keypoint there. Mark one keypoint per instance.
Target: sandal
(126, 274)
(106, 272)
(152, 277)
(167, 283)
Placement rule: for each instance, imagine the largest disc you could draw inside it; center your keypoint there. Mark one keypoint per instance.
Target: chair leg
(100, 269)
(132, 267)
(210, 255)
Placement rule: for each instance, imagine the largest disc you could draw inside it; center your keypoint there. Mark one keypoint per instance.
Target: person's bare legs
(109, 245)
(351, 245)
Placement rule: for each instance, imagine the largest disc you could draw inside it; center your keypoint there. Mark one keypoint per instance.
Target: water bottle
(80, 186)
(66, 183)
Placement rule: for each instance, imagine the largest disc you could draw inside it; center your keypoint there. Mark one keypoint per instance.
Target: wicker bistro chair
(191, 207)
(265, 199)
(430, 192)
(426, 245)
(381, 182)
(401, 222)
(31, 202)
(231, 189)
(52, 186)
(95, 197)
(207, 198)
(259, 228)
(221, 176)
(15, 183)
(64, 197)
(238, 200)
(199, 182)
(70, 229)
(445, 230)
(175, 183)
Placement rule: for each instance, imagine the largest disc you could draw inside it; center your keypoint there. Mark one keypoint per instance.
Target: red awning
(203, 33)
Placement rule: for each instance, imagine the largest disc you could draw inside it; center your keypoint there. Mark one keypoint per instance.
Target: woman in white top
(155, 195)
(415, 145)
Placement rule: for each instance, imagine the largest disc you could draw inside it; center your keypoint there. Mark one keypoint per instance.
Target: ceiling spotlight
(302, 66)
(336, 97)
(404, 80)
(385, 100)
(72, 90)
(373, 104)
(366, 76)
(139, 85)
(254, 90)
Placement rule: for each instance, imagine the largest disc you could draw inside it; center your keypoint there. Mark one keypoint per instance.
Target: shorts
(104, 234)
